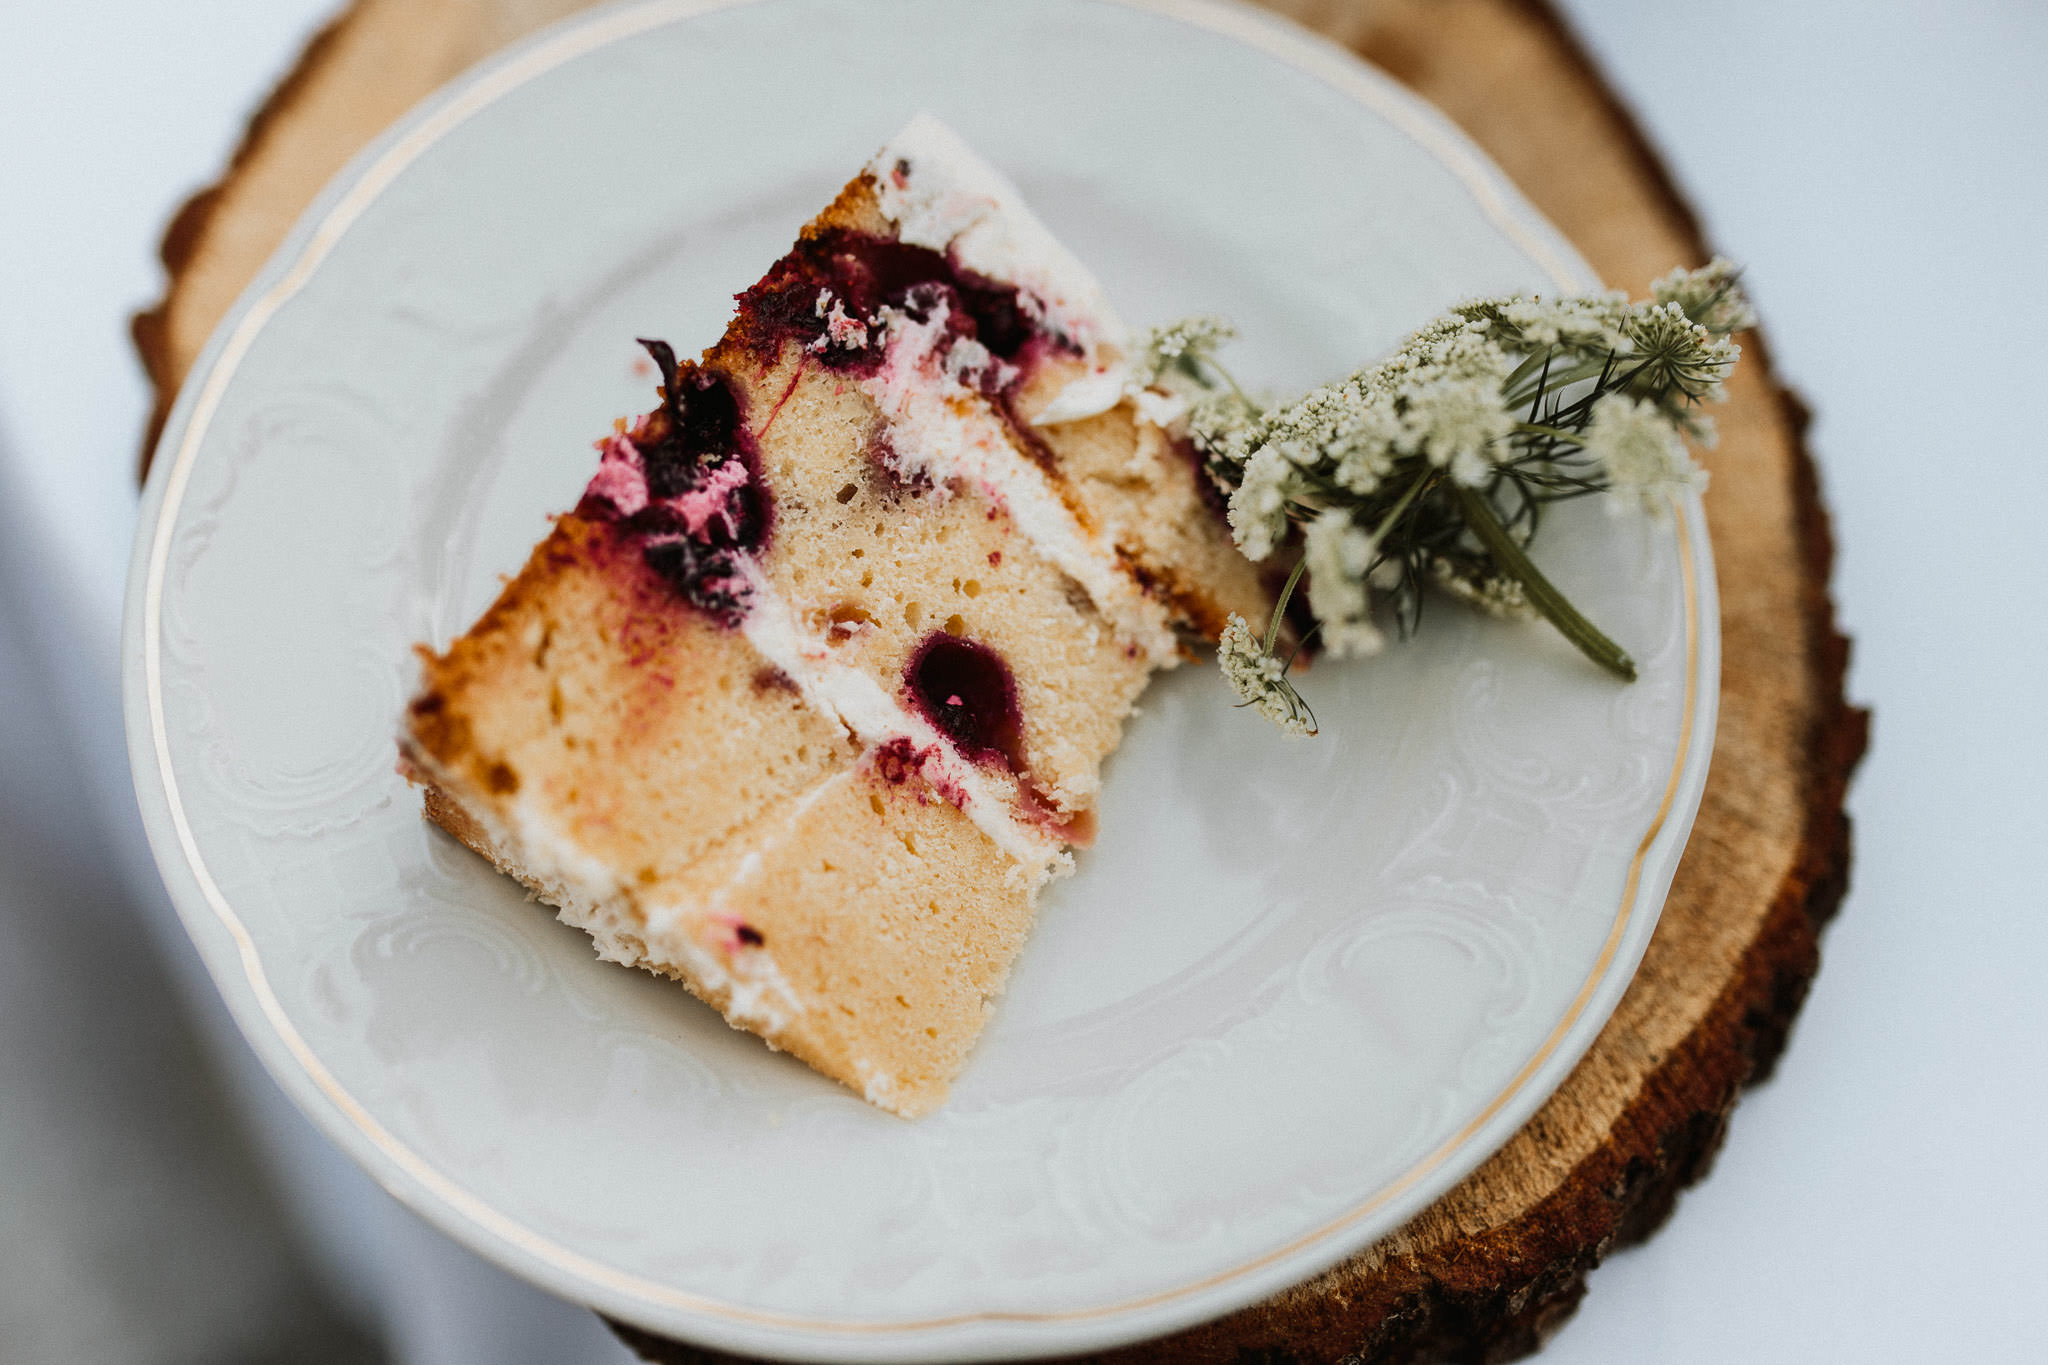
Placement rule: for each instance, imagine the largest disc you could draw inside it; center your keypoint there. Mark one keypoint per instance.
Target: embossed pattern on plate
(1296, 991)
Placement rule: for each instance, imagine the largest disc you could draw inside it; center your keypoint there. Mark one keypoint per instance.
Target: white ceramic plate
(1297, 990)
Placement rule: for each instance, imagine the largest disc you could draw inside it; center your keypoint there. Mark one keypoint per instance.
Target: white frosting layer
(1093, 394)
(940, 195)
(1101, 389)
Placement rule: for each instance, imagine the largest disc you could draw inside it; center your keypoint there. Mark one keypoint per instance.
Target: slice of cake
(810, 693)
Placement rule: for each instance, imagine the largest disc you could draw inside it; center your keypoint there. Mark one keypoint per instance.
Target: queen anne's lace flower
(1588, 321)
(1455, 423)
(1709, 296)
(1159, 350)
(1226, 428)
(1640, 450)
(1258, 509)
(1340, 556)
(1260, 680)
(1365, 453)
(1494, 594)
(1671, 351)
(1434, 465)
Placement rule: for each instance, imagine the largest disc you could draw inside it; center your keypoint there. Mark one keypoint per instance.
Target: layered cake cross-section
(809, 695)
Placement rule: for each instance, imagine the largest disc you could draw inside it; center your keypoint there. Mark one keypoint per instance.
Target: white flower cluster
(1638, 447)
(1260, 680)
(1581, 322)
(1434, 464)
(1160, 352)
(1340, 557)
(1226, 427)
(1669, 352)
(1710, 296)
(1437, 397)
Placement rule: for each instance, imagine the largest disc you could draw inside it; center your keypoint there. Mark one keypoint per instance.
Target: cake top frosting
(941, 195)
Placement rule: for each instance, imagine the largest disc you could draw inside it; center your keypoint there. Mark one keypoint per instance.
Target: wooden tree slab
(1494, 1266)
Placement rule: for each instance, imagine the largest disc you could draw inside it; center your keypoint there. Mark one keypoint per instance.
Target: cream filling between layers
(1101, 389)
(939, 194)
(875, 718)
(943, 430)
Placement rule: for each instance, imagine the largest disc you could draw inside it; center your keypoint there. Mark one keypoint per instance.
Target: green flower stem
(1536, 360)
(1380, 532)
(1280, 605)
(1577, 438)
(1522, 391)
(1543, 594)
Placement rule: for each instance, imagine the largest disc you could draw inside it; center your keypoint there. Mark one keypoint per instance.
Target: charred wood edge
(1495, 1296)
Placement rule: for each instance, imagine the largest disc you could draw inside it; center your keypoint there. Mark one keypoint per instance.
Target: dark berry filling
(862, 274)
(966, 690)
(688, 487)
(897, 761)
(698, 421)
(703, 510)
(707, 579)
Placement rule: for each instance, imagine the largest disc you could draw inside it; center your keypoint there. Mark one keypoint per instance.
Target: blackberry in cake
(809, 695)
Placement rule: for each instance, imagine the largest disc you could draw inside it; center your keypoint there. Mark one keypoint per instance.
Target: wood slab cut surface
(1494, 1266)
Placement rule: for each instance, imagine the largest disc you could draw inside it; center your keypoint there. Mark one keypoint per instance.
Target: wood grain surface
(1492, 1268)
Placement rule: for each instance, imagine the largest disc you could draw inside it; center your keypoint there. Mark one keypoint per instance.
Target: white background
(1879, 168)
